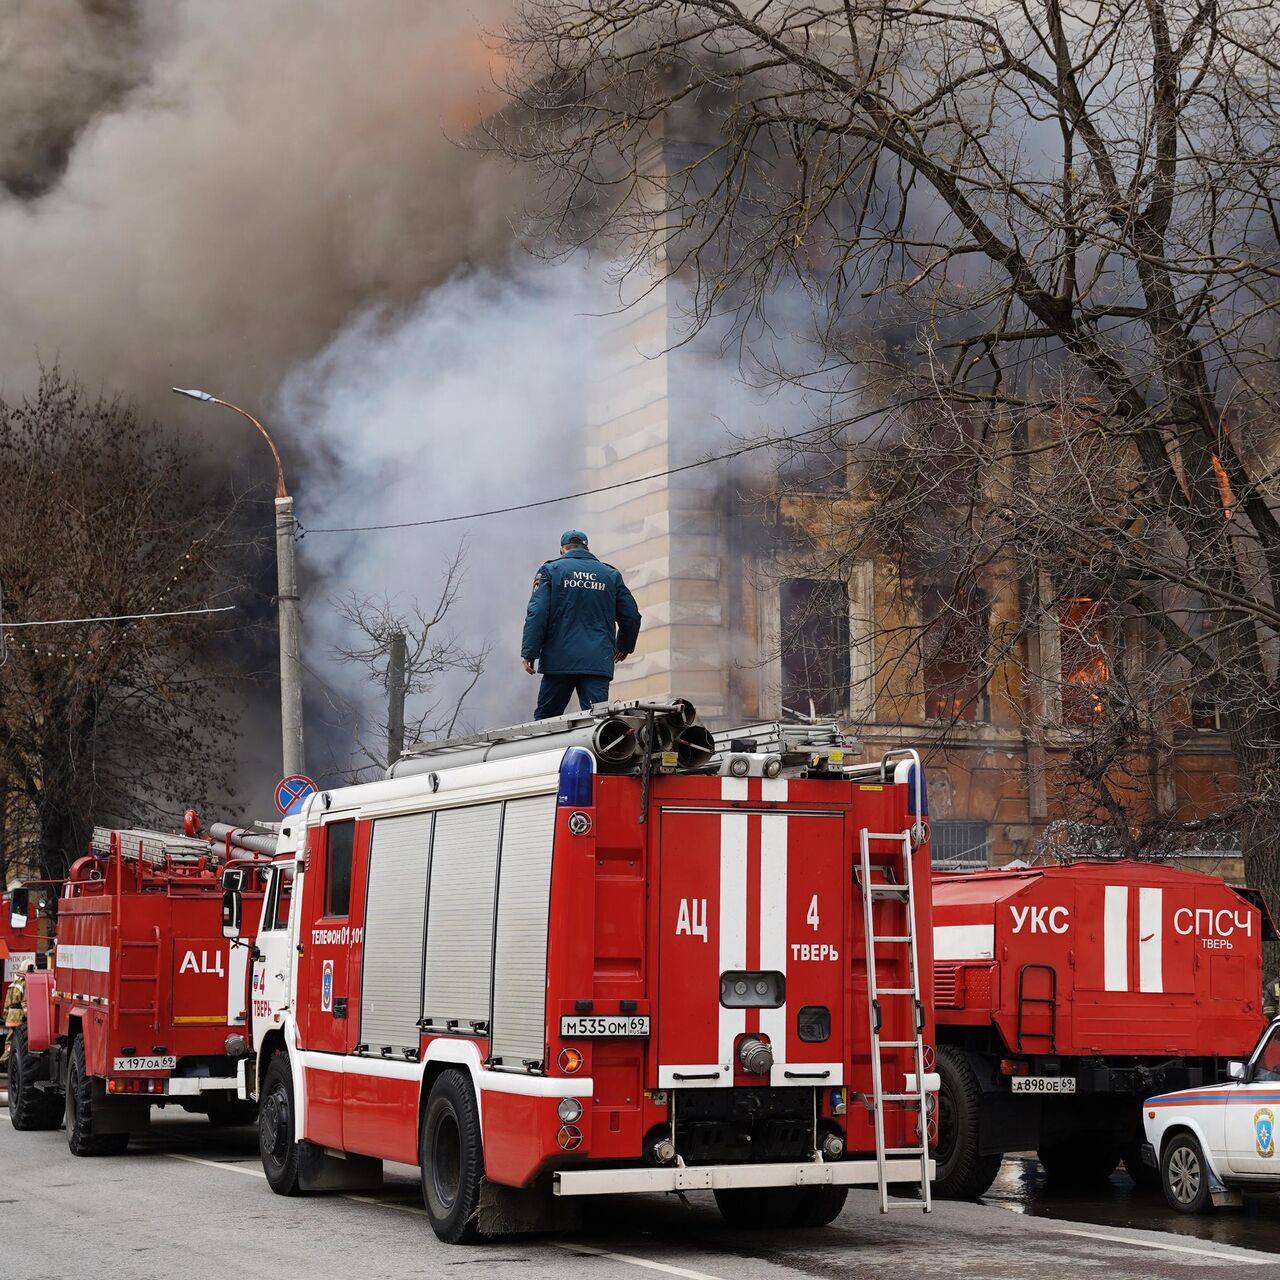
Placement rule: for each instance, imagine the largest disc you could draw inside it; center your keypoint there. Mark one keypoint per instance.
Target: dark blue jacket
(580, 614)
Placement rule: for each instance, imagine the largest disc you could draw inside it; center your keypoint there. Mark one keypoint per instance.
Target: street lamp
(286, 598)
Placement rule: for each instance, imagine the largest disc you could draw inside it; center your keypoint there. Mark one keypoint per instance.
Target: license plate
(603, 1026)
(145, 1064)
(1043, 1084)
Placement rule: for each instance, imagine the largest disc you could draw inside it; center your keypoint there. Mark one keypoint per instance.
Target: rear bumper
(805, 1173)
(179, 1086)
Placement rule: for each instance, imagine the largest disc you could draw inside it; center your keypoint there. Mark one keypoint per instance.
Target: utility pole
(294, 761)
(395, 697)
(290, 661)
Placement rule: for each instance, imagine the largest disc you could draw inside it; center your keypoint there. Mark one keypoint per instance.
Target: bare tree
(1041, 244)
(440, 671)
(102, 515)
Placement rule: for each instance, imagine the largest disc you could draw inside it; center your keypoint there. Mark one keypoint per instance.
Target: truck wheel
(277, 1141)
(451, 1160)
(1184, 1176)
(1070, 1166)
(963, 1172)
(30, 1108)
(822, 1205)
(81, 1138)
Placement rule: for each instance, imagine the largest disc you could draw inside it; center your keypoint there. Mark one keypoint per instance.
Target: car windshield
(1267, 1063)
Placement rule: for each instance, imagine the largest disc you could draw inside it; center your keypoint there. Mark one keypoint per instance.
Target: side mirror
(19, 908)
(233, 878)
(231, 908)
(1237, 1071)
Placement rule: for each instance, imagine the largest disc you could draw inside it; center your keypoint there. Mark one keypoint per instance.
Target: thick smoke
(236, 180)
(205, 194)
(62, 63)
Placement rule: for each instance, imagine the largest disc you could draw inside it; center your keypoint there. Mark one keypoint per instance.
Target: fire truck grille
(946, 993)
(742, 1125)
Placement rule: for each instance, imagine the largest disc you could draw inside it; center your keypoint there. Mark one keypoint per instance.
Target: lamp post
(286, 599)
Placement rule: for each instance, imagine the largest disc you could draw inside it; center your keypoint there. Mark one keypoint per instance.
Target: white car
(1212, 1143)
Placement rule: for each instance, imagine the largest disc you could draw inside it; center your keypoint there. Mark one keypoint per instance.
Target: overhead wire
(767, 443)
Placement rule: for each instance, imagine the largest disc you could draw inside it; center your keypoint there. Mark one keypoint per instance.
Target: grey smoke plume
(62, 63)
(236, 179)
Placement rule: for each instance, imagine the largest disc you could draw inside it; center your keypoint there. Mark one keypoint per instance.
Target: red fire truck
(602, 954)
(143, 992)
(1066, 994)
(25, 927)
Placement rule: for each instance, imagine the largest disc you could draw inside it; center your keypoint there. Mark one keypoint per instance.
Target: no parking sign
(292, 791)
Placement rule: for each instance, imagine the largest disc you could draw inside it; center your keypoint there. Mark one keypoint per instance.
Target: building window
(1206, 711)
(815, 647)
(960, 846)
(957, 628)
(337, 881)
(1086, 641)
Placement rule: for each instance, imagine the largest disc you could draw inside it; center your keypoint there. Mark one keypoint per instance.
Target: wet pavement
(1023, 1188)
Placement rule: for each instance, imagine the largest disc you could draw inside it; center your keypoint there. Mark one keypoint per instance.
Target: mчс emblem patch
(1264, 1131)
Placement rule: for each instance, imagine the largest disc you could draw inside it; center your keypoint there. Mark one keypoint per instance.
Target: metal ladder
(905, 894)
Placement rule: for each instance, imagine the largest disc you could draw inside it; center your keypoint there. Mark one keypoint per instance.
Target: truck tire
(30, 1109)
(81, 1138)
(1184, 1175)
(963, 1172)
(277, 1139)
(1071, 1165)
(451, 1159)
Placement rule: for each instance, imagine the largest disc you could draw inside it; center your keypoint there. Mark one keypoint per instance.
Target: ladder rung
(907, 1204)
(901, 1044)
(894, 937)
(895, 991)
(899, 1097)
(888, 890)
(903, 1151)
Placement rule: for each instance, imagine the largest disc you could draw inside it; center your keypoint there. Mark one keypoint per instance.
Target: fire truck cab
(596, 955)
(144, 1004)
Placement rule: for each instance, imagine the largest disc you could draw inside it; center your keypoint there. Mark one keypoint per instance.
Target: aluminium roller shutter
(460, 900)
(391, 989)
(520, 946)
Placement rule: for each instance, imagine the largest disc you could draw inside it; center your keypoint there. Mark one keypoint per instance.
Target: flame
(1224, 487)
(1092, 671)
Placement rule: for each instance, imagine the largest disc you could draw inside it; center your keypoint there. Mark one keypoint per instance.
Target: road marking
(216, 1164)
(1259, 1260)
(647, 1263)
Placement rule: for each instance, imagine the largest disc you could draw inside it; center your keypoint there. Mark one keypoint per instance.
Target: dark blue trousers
(554, 694)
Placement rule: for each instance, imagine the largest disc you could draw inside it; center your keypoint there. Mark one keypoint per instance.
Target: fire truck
(1066, 994)
(144, 1000)
(601, 954)
(25, 927)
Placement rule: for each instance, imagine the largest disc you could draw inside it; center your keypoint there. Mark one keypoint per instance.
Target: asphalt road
(190, 1201)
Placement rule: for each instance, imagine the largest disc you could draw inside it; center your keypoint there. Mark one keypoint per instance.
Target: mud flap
(322, 1170)
(517, 1210)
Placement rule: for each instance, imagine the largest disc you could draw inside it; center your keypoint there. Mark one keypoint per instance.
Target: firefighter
(15, 1012)
(580, 621)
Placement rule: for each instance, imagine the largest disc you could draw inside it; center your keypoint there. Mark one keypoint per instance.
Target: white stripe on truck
(733, 922)
(773, 920)
(1115, 938)
(964, 942)
(1150, 940)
